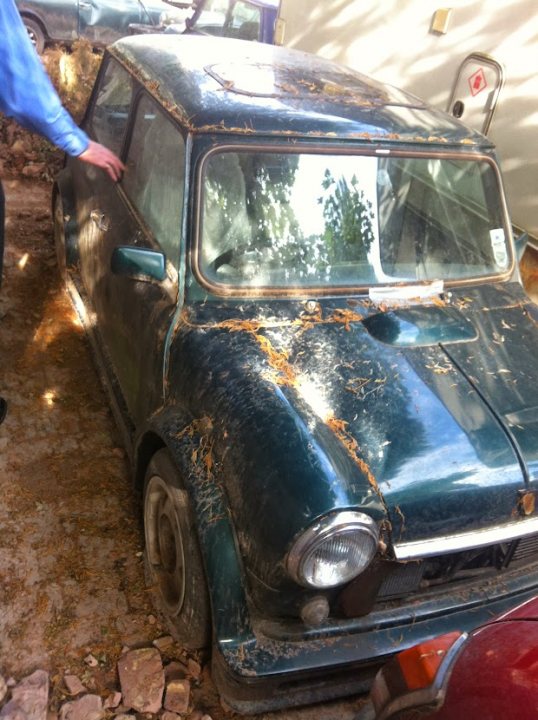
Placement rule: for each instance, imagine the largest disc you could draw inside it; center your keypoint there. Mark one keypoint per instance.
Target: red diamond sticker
(477, 82)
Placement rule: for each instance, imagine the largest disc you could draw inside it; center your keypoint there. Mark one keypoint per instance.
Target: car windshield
(319, 220)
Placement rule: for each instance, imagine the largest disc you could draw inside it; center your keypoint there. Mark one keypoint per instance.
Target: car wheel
(172, 557)
(59, 234)
(36, 34)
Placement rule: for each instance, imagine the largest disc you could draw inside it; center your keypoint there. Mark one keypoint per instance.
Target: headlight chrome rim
(326, 528)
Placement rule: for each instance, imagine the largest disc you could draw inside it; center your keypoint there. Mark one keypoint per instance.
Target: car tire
(36, 34)
(59, 234)
(173, 562)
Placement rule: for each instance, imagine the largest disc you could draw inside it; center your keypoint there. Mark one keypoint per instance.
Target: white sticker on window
(498, 245)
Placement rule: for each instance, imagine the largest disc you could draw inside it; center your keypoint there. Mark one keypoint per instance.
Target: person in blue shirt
(28, 96)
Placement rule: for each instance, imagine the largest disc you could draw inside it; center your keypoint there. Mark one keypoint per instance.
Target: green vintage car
(99, 21)
(305, 303)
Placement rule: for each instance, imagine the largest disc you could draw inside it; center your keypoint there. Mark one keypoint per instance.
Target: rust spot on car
(233, 325)
(339, 428)
(284, 373)
(203, 452)
(399, 513)
(345, 316)
(527, 503)
(462, 303)
(358, 386)
(439, 369)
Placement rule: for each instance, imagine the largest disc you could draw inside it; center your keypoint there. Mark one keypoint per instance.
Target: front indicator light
(334, 550)
(415, 678)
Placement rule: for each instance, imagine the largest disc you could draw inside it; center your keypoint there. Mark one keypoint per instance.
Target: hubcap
(164, 544)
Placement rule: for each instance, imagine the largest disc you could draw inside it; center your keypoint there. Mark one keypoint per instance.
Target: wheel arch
(225, 574)
(36, 18)
(146, 448)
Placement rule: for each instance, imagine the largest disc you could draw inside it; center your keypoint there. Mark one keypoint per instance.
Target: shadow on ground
(71, 570)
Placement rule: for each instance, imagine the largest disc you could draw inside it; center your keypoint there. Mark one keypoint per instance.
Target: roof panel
(222, 85)
(296, 81)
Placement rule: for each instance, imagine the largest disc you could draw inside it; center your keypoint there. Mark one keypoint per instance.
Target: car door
(106, 122)
(103, 21)
(140, 251)
(58, 20)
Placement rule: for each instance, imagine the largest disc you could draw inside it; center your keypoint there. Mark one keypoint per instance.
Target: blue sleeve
(26, 92)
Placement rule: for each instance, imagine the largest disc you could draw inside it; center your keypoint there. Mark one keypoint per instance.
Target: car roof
(221, 85)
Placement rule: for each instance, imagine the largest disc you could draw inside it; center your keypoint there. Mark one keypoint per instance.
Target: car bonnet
(440, 428)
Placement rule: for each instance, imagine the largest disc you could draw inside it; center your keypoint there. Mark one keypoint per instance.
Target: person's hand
(102, 157)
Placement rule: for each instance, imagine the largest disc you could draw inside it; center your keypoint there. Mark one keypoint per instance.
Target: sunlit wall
(393, 41)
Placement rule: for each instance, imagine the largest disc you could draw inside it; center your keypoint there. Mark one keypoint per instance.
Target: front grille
(402, 580)
(391, 580)
(526, 547)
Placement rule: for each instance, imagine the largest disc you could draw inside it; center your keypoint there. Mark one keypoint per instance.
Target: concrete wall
(392, 41)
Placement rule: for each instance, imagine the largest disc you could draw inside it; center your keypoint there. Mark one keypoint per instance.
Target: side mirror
(138, 263)
(521, 244)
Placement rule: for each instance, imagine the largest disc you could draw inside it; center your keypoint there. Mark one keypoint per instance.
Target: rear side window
(212, 19)
(110, 111)
(245, 21)
(155, 176)
(236, 19)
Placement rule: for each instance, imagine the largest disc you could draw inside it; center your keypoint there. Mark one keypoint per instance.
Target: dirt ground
(71, 573)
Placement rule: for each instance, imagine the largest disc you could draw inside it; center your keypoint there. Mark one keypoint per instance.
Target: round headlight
(334, 550)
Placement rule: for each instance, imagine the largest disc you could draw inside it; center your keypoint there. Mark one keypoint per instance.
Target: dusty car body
(237, 19)
(490, 673)
(99, 21)
(305, 302)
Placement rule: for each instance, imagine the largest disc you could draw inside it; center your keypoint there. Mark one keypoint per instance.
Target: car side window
(213, 17)
(155, 176)
(245, 21)
(237, 20)
(110, 110)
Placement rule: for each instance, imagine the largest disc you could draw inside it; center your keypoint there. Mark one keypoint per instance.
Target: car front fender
(186, 440)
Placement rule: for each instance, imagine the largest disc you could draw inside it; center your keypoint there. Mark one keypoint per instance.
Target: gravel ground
(71, 575)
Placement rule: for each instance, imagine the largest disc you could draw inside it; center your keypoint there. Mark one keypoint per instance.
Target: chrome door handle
(100, 219)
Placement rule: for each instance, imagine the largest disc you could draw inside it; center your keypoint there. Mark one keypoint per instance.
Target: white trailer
(477, 59)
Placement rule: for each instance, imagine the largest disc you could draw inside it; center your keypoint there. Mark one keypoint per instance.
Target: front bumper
(278, 665)
(259, 665)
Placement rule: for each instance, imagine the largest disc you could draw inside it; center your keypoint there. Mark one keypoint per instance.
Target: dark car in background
(239, 19)
(99, 21)
(304, 299)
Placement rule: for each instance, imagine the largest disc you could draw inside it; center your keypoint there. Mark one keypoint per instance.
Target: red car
(490, 674)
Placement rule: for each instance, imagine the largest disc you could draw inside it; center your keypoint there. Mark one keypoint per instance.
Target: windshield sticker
(394, 294)
(498, 245)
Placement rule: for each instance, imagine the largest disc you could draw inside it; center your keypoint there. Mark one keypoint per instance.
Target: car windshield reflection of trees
(311, 220)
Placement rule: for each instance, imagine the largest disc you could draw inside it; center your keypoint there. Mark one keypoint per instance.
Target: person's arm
(28, 96)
